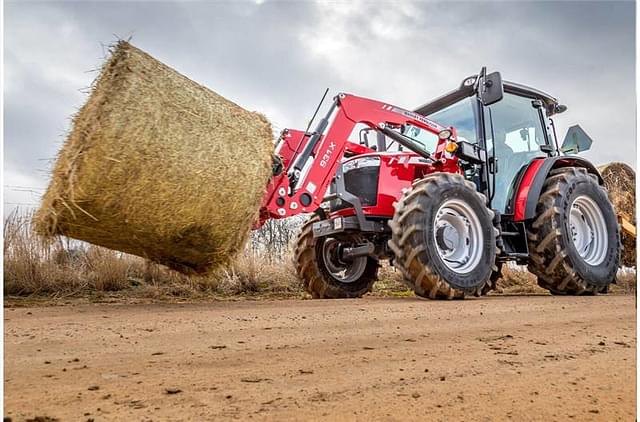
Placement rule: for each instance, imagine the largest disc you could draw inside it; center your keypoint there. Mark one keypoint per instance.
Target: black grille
(361, 182)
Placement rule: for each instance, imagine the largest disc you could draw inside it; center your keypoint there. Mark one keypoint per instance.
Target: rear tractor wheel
(322, 271)
(443, 238)
(574, 239)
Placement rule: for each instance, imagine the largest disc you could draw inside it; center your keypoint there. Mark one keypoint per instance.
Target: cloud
(278, 57)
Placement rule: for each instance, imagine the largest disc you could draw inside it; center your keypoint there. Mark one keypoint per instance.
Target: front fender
(530, 185)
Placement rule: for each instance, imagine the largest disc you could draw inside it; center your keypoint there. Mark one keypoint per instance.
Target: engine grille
(360, 179)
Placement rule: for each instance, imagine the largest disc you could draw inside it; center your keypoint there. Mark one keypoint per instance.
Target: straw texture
(158, 166)
(620, 182)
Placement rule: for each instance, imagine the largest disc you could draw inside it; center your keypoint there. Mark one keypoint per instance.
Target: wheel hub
(447, 237)
(588, 230)
(342, 270)
(458, 236)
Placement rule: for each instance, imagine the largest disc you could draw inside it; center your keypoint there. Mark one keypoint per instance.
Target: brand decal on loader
(327, 154)
(415, 116)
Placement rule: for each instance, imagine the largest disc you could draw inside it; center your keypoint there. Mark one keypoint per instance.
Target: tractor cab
(510, 124)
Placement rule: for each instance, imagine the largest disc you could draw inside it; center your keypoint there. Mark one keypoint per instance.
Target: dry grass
(626, 282)
(37, 268)
(159, 166)
(390, 283)
(30, 264)
(517, 280)
(254, 274)
(34, 266)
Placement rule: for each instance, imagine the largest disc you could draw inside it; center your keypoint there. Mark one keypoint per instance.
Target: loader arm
(306, 163)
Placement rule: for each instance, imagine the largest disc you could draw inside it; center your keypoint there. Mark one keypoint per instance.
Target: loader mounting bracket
(343, 194)
(343, 224)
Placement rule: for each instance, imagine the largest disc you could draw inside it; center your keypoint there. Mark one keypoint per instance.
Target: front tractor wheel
(574, 239)
(443, 238)
(322, 271)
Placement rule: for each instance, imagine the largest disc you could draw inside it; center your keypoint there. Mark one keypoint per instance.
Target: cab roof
(466, 90)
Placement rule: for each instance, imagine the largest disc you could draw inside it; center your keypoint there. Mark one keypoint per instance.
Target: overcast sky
(278, 57)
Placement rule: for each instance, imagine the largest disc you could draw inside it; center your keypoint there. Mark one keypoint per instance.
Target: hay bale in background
(620, 182)
(159, 166)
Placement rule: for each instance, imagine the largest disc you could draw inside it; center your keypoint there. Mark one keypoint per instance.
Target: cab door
(515, 134)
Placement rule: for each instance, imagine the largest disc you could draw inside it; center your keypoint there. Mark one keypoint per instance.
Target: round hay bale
(159, 166)
(620, 182)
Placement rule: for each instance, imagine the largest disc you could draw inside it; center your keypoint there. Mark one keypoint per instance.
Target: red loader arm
(307, 162)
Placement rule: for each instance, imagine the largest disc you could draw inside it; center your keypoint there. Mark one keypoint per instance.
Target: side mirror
(576, 140)
(490, 89)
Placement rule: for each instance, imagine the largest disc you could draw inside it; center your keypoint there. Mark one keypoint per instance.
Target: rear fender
(530, 185)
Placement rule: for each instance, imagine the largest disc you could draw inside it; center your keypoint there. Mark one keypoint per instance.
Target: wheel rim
(343, 271)
(458, 236)
(588, 230)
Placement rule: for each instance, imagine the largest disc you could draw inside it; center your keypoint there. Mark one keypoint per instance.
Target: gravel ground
(494, 358)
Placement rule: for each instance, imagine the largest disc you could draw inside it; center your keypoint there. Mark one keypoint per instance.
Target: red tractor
(447, 193)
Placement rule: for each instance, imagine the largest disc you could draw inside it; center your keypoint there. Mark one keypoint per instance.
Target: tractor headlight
(444, 134)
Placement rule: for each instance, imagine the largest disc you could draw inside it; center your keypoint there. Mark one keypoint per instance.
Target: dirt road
(496, 358)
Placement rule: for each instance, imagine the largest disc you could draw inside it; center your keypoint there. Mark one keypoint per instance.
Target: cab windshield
(429, 140)
(460, 115)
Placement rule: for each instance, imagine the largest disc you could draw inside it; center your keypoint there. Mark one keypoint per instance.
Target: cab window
(514, 134)
(429, 140)
(520, 140)
(460, 115)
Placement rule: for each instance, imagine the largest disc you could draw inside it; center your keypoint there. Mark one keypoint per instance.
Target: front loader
(447, 193)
